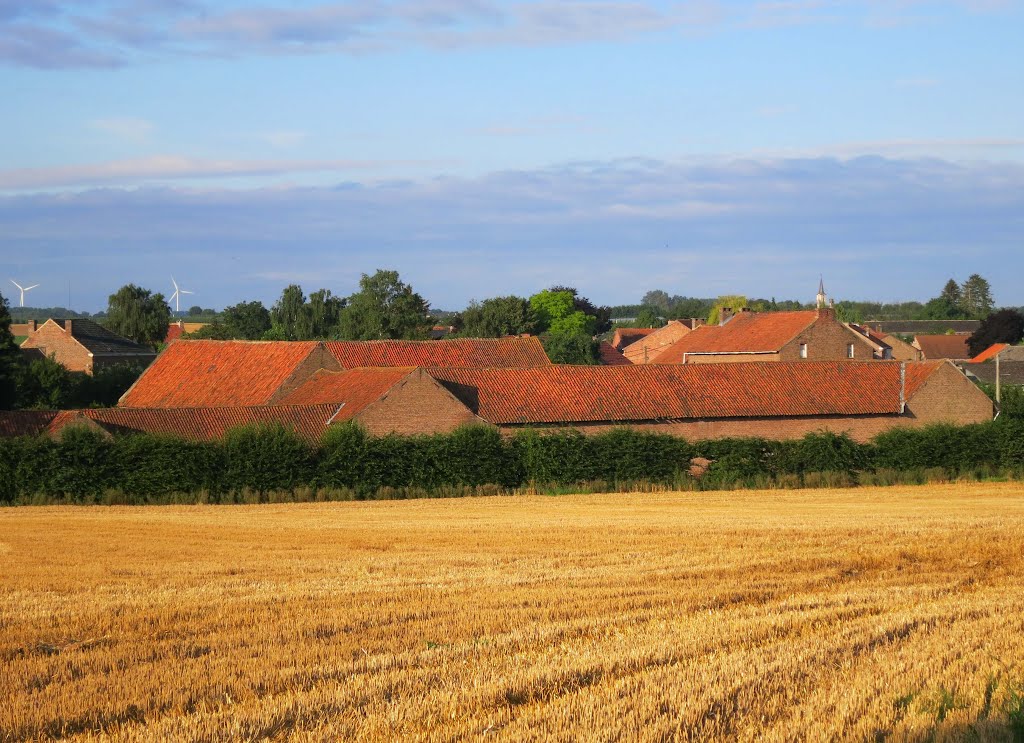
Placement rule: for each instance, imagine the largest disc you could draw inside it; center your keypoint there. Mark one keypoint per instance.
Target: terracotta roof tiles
(746, 332)
(354, 388)
(990, 353)
(512, 352)
(197, 374)
(610, 356)
(570, 394)
(943, 346)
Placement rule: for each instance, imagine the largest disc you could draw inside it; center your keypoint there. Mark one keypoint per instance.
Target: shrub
(262, 457)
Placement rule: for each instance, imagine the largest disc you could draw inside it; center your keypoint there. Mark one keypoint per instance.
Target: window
(849, 350)
(803, 350)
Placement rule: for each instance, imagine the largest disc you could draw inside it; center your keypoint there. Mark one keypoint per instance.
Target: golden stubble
(865, 614)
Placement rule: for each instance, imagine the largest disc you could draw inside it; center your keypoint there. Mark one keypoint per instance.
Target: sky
(485, 148)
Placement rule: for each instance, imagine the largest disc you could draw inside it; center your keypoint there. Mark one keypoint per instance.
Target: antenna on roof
(177, 296)
(23, 290)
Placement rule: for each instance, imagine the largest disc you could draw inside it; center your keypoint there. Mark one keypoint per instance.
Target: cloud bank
(49, 34)
(875, 227)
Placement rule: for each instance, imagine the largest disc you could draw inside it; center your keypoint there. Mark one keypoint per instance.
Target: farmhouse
(769, 336)
(245, 373)
(84, 346)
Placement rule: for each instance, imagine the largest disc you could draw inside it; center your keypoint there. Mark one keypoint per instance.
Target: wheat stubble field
(889, 614)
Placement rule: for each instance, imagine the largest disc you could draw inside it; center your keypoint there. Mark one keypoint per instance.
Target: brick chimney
(725, 315)
(827, 313)
(67, 326)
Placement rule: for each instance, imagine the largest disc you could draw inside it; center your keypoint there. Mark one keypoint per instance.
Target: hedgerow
(263, 463)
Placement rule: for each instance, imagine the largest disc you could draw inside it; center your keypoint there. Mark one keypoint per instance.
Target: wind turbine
(23, 290)
(177, 295)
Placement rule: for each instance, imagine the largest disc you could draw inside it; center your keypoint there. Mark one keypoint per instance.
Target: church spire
(821, 299)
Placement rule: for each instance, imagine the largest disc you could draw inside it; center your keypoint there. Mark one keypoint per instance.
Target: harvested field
(888, 614)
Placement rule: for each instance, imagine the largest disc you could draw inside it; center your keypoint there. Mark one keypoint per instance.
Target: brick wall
(827, 339)
(949, 397)
(901, 350)
(416, 405)
(319, 358)
(52, 339)
(647, 348)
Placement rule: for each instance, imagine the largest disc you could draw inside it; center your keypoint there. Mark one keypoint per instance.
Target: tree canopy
(384, 307)
(10, 357)
(138, 314)
(498, 317)
(1005, 326)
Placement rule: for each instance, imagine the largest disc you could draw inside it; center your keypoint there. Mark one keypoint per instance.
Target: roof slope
(207, 424)
(943, 346)
(352, 388)
(24, 422)
(98, 340)
(195, 374)
(611, 356)
(990, 353)
(747, 332)
(571, 394)
(644, 349)
(624, 336)
(504, 353)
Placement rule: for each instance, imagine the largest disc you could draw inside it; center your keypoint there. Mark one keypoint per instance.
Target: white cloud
(124, 127)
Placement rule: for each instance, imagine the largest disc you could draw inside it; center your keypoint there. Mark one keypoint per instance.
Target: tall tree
(1005, 326)
(10, 358)
(951, 293)
(602, 315)
(497, 317)
(384, 307)
(735, 302)
(138, 314)
(290, 315)
(658, 299)
(324, 313)
(246, 320)
(976, 300)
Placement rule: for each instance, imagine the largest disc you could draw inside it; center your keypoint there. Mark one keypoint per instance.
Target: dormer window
(803, 350)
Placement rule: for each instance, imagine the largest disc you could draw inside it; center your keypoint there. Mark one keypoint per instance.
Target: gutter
(336, 414)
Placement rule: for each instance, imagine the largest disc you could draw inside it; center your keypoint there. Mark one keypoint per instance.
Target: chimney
(744, 309)
(67, 326)
(827, 312)
(725, 315)
(33, 326)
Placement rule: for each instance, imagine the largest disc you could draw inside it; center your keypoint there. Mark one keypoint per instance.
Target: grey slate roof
(102, 342)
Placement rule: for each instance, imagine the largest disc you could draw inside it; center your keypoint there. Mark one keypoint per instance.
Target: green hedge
(258, 463)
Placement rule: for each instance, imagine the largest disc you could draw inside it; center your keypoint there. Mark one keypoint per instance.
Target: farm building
(245, 373)
(814, 335)
(84, 346)
(770, 399)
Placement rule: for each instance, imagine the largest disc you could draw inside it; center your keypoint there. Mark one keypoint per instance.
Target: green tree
(245, 320)
(47, 385)
(646, 318)
(555, 310)
(1005, 326)
(976, 298)
(10, 359)
(735, 302)
(570, 348)
(290, 315)
(384, 307)
(138, 314)
(324, 313)
(498, 317)
(657, 299)
(195, 311)
(951, 293)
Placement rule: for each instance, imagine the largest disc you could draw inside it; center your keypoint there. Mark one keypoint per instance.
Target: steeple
(822, 300)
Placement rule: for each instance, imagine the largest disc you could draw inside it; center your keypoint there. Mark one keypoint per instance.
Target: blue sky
(483, 147)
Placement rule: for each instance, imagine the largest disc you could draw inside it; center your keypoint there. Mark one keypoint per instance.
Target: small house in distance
(84, 346)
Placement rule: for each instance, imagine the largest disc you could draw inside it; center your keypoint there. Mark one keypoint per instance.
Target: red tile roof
(504, 353)
(352, 388)
(196, 374)
(579, 394)
(610, 356)
(648, 347)
(624, 336)
(746, 332)
(207, 424)
(24, 422)
(989, 353)
(943, 346)
(174, 332)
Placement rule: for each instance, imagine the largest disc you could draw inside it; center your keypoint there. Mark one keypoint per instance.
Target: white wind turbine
(23, 290)
(177, 295)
